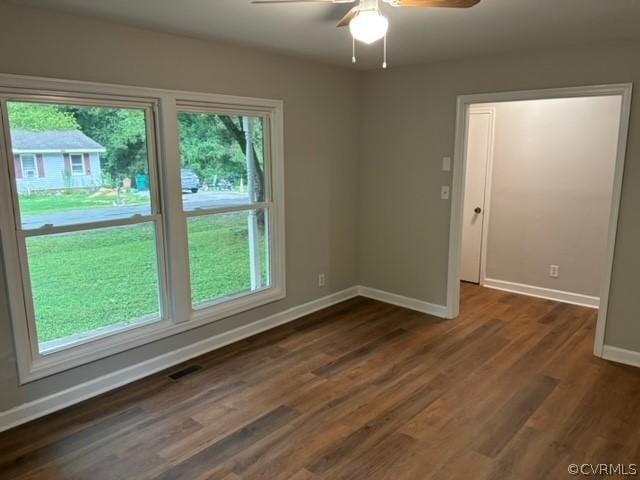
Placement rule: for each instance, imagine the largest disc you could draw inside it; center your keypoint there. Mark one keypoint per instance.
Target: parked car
(190, 180)
(224, 184)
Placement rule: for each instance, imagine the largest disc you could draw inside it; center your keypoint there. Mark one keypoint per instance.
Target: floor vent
(185, 371)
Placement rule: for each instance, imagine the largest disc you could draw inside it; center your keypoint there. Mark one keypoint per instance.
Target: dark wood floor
(363, 390)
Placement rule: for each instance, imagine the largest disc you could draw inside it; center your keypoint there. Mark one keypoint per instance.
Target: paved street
(191, 201)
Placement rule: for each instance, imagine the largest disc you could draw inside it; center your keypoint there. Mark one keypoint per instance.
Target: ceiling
(415, 34)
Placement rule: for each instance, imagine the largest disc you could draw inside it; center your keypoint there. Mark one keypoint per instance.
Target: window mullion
(175, 227)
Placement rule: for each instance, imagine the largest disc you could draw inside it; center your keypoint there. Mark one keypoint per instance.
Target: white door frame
(624, 90)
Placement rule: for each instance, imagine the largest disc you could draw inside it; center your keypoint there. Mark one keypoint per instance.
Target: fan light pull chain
(384, 59)
(353, 50)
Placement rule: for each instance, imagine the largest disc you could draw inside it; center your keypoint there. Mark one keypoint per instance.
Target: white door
(479, 148)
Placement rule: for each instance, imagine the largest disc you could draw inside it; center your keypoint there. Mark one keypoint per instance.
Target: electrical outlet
(554, 271)
(321, 280)
(444, 192)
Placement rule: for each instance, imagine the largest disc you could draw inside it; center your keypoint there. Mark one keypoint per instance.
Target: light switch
(444, 192)
(446, 164)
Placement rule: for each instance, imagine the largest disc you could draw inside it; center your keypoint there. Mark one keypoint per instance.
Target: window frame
(266, 205)
(177, 314)
(81, 155)
(35, 165)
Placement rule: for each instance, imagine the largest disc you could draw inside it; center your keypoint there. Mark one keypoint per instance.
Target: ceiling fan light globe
(369, 26)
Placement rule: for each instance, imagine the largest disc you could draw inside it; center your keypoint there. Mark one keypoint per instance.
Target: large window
(159, 211)
(91, 266)
(227, 221)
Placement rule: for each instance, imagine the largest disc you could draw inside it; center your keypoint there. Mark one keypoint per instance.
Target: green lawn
(41, 203)
(83, 281)
(219, 256)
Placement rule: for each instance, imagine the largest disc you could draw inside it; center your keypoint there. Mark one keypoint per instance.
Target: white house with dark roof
(54, 160)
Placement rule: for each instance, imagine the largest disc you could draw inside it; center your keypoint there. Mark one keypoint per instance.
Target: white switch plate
(444, 192)
(446, 164)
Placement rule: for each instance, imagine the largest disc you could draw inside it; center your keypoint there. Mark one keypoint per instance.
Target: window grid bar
(236, 208)
(78, 227)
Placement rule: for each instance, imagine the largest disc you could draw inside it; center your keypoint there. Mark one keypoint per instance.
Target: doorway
(470, 209)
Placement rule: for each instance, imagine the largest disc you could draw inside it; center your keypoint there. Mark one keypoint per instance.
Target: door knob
(478, 210)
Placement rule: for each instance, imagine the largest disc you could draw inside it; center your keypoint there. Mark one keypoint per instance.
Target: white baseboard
(546, 293)
(406, 302)
(57, 401)
(621, 355)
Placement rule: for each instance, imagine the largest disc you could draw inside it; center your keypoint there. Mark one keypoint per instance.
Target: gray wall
(379, 194)
(321, 125)
(409, 125)
(551, 187)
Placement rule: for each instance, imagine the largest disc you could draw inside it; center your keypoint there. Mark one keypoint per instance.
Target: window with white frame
(77, 164)
(29, 165)
(185, 226)
(229, 162)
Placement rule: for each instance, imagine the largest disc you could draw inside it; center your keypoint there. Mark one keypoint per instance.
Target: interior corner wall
(550, 193)
(321, 124)
(408, 126)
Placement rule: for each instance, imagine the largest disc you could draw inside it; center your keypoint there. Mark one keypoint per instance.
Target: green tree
(214, 146)
(37, 117)
(233, 126)
(207, 148)
(122, 132)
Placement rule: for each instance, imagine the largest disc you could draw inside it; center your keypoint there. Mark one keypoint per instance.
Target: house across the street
(54, 160)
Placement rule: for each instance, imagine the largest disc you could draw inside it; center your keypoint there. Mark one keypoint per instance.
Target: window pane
(228, 254)
(87, 164)
(92, 282)
(29, 166)
(77, 167)
(218, 170)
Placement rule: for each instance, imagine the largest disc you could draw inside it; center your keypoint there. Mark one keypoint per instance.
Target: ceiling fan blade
(258, 2)
(290, 1)
(348, 17)
(436, 3)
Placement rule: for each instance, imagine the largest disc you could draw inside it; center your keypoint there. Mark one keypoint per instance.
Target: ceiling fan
(366, 22)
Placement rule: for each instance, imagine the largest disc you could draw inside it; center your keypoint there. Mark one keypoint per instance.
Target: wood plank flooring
(361, 390)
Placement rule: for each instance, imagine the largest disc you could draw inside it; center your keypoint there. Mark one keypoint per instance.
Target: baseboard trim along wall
(76, 394)
(406, 302)
(546, 293)
(621, 355)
